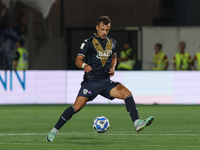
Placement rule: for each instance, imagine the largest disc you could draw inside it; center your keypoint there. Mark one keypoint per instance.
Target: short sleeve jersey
(98, 54)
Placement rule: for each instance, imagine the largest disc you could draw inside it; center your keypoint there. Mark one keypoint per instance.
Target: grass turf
(26, 126)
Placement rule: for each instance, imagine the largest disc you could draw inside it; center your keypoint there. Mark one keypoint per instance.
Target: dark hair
(159, 45)
(105, 19)
(21, 42)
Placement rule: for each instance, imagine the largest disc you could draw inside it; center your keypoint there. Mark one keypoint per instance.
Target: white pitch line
(94, 133)
(10, 143)
(156, 134)
(49, 144)
(22, 134)
(171, 131)
(171, 145)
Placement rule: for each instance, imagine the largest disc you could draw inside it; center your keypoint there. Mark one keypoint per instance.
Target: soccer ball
(101, 124)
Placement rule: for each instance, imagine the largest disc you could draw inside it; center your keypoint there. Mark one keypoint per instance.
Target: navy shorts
(91, 89)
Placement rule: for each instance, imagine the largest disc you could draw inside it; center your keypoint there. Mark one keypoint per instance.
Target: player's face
(103, 30)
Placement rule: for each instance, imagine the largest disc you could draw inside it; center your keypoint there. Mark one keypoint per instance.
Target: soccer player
(100, 53)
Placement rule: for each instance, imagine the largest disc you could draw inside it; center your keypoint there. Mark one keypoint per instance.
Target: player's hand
(87, 68)
(111, 72)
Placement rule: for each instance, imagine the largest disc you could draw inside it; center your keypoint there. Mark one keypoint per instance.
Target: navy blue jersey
(98, 54)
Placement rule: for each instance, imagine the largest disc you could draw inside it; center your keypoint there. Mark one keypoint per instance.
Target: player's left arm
(113, 65)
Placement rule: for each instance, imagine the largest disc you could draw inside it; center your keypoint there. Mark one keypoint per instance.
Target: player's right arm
(80, 64)
(81, 54)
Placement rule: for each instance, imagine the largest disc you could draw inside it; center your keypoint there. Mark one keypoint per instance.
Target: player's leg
(122, 92)
(66, 116)
(70, 111)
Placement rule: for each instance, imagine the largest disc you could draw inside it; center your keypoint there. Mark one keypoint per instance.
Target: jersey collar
(100, 38)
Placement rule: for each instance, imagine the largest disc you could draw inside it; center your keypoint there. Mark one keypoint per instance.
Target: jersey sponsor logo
(85, 91)
(102, 55)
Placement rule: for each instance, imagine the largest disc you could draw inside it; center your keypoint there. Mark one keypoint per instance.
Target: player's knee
(127, 93)
(80, 103)
(78, 107)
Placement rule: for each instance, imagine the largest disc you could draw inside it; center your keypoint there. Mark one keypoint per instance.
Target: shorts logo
(85, 91)
(89, 92)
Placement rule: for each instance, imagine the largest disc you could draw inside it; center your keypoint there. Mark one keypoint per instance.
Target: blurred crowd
(181, 60)
(13, 27)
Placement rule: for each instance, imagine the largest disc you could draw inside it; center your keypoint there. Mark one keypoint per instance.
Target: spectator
(160, 59)
(196, 59)
(127, 58)
(20, 59)
(182, 60)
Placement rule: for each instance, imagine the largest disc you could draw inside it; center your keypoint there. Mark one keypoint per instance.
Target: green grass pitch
(25, 127)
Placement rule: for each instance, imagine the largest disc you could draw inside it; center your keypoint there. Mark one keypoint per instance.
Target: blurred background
(53, 31)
